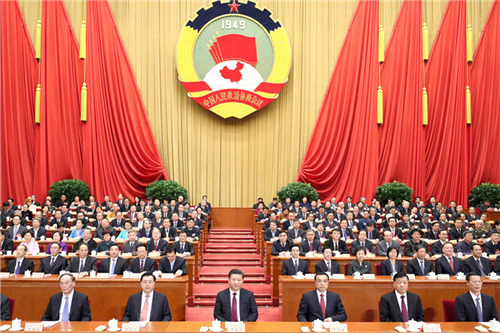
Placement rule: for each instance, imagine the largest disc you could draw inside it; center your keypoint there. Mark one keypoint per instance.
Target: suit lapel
(396, 305)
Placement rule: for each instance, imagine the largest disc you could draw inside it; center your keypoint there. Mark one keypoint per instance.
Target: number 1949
(229, 24)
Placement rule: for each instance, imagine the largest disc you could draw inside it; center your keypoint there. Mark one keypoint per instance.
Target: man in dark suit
(87, 240)
(233, 298)
(362, 241)
(327, 264)
(5, 307)
(336, 244)
(172, 263)
(20, 264)
(310, 244)
(6, 244)
(419, 265)
(183, 247)
(54, 263)
(457, 232)
(401, 305)
(296, 231)
(16, 229)
(282, 245)
(142, 263)
(448, 264)
(477, 263)
(474, 305)
(114, 265)
(294, 265)
(58, 218)
(147, 305)
(312, 304)
(83, 263)
(167, 230)
(75, 305)
(387, 242)
(130, 246)
(38, 231)
(437, 246)
(157, 245)
(492, 246)
(272, 232)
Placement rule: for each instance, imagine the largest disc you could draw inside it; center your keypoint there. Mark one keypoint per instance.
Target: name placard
(411, 276)
(235, 326)
(38, 275)
(33, 327)
(443, 277)
(338, 327)
(368, 276)
(338, 277)
(432, 327)
(4, 275)
(131, 327)
(102, 275)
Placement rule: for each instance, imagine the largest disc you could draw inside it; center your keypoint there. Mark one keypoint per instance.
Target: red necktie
(322, 305)
(234, 309)
(156, 246)
(310, 247)
(451, 265)
(404, 311)
(142, 266)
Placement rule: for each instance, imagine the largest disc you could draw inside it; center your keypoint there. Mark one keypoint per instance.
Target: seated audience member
(282, 245)
(414, 242)
(310, 244)
(156, 246)
(182, 216)
(263, 216)
(486, 224)
(338, 215)
(448, 264)
(336, 244)
(437, 246)
(496, 227)
(171, 263)
(457, 232)
(78, 231)
(87, 239)
(387, 242)
(465, 246)
(5, 308)
(58, 218)
(83, 263)
(139, 222)
(191, 231)
(327, 265)
(296, 233)
(359, 264)
(113, 265)
(478, 232)
(492, 246)
(434, 232)
(127, 226)
(69, 304)
(372, 233)
(20, 264)
(397, 232)
(346, 233)
(420, 265)
(329, 308)
(6, 244)
(168, 231)
(146, 230)
(271, 234)
(425, 223)
(330, 223)
(38, 231)
(243, 298)
(142, 263)
(184, 247)
(105, 244)
(474, 305)
(391, 265)
(366, 217)
(31, 245)
(15, 230)
(54, 263)
(294, 265)
(119, 221)
(130, 245)
(320, 233)
(309, 223)
(477, 263)
(140, 308)
(401, 305)
(57, 238)
(85, 220)
(287, 222)
(156, 221)
(362, 241)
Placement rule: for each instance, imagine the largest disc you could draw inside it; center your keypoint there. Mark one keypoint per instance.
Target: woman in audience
(106, 243)
(30, 243)
(78, 231)
(26, 214)
(31, 205)
(391, 265)
(124, 233)
(360, 265)
(46, 213)
(57, 238)
(75, 203)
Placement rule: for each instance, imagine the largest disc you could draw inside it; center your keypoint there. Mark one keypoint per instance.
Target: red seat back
(449, 310)
(12, 301)
(379, 271)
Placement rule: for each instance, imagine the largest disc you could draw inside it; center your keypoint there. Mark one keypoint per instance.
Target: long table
(108, 297)
(361, 297)
(261, 327)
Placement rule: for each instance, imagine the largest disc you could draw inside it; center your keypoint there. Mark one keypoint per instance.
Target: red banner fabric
(18, 80)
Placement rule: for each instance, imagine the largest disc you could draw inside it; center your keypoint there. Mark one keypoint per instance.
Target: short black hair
(148, 274)
(399, 275)
(467, 277)
(236, 271)
(170, 249)
(321, 273)
(390, 248)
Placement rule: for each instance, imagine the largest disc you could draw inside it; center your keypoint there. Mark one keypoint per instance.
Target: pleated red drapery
(121, 155)
(18, 80)
(401, 145)
(342, 156)
(447, 135)
(485, 80)
(59, 138)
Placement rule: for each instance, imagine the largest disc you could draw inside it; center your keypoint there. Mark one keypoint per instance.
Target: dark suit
(120, 266)
(179, 263)
(143, 233)
(162, 246)
(60, 264)
(171, 234)
(135, 265)
(300, 233)
(160, 311)
(386, 267)
(289, 269)
(5, 307)
(323, 234)
(364, 268)
(188, 247)
(437, 247)
(193, 233)
(79, 310)
(413, 267)
(398, 232)
(277, 247)
(39, 233)
(26, 265)
(268, 234)
(342, 246)
(465, 308)
(54, 221)
(368, 246)
(390, 311)
(7, 245)
(92, 245)
(90, 265)
(491, 248)
(322, 267)
(304, 247)
(310, 309)
(443, 266)
(248, 306)
(470, 265)
(455, 234)
(128, 248)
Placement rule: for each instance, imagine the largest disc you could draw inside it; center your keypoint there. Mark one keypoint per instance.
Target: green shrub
(70, 188)
(296, 191)
(394, 191)
(169, 189)
(484, 192)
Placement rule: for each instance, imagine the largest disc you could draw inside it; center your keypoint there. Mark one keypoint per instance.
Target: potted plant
(483, 193)
(395, 191)
(70, 188)
(297, 191)
(166, 189)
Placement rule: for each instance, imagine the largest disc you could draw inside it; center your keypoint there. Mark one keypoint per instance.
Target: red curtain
(59, 138)
(401, 145)
(342, 156)
(121, 155)
(485, 80)
(447, 135)
(18, 80)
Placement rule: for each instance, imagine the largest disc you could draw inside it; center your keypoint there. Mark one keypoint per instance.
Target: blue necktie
(112, 270)
(422, 267)
(65, 314)
(480, 267)
(172, 267)
(18, 267)
(479, 310)
(182, 248)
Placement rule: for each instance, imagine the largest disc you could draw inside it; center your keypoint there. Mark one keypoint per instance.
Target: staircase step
(222, 279)
(231, 246)
(232, 264)
(232, 251)
(223, 271)
(211, 290)
(230, 230)
(222, 257)
(231, 237)
(211, 303)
